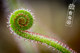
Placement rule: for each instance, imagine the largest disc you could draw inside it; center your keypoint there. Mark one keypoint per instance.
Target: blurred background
(50, 18)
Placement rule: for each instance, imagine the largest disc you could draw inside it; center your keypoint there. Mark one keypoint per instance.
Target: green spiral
(21, 20)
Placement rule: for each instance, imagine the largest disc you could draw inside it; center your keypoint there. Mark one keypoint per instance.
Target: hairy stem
(21, 20)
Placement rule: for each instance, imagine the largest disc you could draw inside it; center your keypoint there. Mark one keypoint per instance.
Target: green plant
(21, 20)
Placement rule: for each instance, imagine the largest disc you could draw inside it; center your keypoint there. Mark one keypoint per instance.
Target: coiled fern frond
(21, 20)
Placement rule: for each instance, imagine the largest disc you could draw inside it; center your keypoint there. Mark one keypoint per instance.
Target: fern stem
(21, 20)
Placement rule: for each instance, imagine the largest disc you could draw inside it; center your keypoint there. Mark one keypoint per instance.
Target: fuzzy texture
(21, 20)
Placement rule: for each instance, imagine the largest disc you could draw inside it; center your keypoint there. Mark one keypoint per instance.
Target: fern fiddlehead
(21, 20)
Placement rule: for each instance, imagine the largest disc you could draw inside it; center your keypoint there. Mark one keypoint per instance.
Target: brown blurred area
(7, 43)
(51, 18)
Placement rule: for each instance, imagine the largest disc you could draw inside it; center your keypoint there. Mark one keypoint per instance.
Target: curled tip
(22, 19)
